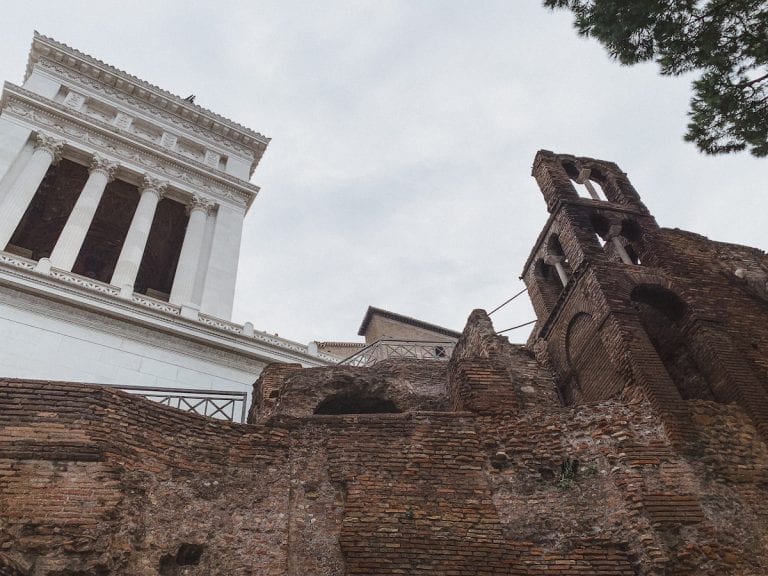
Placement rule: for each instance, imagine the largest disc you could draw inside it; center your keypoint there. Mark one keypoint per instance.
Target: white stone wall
(15, 151)
(39, 346)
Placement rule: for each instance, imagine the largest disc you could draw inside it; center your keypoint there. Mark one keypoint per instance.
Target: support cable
(507, 302)
(515, 327)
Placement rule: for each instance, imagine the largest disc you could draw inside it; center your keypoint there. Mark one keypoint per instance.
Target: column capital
(49, 144)
(104, 165)
(200, 203)
(155, 185)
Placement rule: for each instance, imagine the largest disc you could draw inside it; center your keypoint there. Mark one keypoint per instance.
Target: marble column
(189, 259)
(557, 262)
(47, 151)
(128, 263)
(71, 239)
(221, 275)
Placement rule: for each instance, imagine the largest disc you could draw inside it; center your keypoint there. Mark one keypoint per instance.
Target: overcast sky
(403, 134)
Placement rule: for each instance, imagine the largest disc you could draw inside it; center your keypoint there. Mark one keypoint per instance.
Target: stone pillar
(613, 236)
(71, 240)
(557, 262)
(47, 151)
(219, 289)
(128, 263)
(189, 259)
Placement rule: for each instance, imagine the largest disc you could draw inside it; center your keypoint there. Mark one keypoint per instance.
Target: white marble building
(121, 212)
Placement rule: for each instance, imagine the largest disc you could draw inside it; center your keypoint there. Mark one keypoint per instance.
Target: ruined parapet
(390, 386)
(488, 375)
(266, 389)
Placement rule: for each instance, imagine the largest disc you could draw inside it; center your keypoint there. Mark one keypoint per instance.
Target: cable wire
(516, 327)
(507, 302)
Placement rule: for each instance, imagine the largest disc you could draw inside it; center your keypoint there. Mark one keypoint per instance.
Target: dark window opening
(632, 254)
(665, 301)
(601, 226)
(186, 555)
(101, 248)
(42, 223)
(158, 265)
(356, 404)
(548, 283)
(440, 352)
(554, 247)
(631, 230)
(557, 259)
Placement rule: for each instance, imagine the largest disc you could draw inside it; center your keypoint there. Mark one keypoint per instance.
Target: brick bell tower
(619, 305)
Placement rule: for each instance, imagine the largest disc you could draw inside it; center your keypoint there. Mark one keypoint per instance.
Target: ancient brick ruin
(628, 437)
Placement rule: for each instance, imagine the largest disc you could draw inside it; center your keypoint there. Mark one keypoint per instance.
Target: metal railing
(389, 349)
(229, 405)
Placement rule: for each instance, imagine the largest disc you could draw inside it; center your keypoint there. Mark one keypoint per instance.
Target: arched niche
(593, 376)
(662, 314)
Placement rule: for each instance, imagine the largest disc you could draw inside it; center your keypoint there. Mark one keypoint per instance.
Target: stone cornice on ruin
(373, 311)
(70, 124)
(162, 100)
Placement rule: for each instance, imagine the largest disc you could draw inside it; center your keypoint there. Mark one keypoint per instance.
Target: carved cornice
(86, 84)
(105, 166)
(51, 145)
(75, 126)
(97, 74)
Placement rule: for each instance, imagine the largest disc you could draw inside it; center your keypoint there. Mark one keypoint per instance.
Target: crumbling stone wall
(486, 374)
(95, 481)
(633, 304)
(398, 385)
(627, 438)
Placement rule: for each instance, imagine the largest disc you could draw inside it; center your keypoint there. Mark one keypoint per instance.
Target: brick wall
(407, 384)
(627, 438)
(95, 481)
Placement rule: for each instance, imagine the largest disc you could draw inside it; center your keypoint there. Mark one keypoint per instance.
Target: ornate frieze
(100, 87)
(168, 140)
(87, 131)
(74, 100)
(123, 121)
(211, 159)
(88, 66)
(83, 282)
(156, 304)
